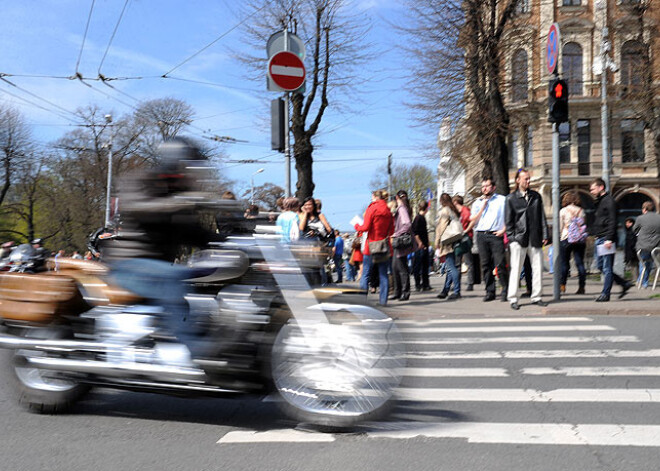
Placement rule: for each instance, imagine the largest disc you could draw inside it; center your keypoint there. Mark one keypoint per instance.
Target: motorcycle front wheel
(340, 373)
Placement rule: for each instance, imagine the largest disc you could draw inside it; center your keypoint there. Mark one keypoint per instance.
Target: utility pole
(108, 120)
(389, 175)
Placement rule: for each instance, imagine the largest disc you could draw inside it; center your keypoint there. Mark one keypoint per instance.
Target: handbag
(463, 246)
(379, 250)
(453, 232)
(403, 241)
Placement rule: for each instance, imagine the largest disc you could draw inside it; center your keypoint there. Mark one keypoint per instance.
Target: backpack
(577, 230)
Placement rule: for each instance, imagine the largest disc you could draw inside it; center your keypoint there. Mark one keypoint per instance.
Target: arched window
(572, 65)
(632, 65)
(519, 76)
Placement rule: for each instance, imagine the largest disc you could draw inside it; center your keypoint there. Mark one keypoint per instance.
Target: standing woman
(572, 239)
(402, 228)
(448, 213)
(379, 225)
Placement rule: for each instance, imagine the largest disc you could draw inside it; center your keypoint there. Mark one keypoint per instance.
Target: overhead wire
(38, 97)
(121, 15)
(215, 40)
(82, 47)
(57, 113)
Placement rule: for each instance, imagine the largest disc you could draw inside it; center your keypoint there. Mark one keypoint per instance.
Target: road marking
(499, 329)
(528, 395)
(548, 339)
(538, 434)
(496, 320)
(455, 372)
(275, 436)
(484, 355)
(594, 371)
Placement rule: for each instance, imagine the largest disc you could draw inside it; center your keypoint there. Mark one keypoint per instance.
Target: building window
(571, 3)
(519, 76)
(528, 156)
(522, 7)
(632, 140)
(572, 65)
(584, 146)
(513, 150)
(632, 66)
(564, 143)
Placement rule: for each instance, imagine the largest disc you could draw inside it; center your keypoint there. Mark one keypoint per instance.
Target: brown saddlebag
(37, 298)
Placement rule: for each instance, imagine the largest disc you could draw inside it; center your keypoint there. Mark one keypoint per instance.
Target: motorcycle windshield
(22, 253)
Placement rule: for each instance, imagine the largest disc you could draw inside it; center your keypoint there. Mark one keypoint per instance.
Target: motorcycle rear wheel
(41, 391)
(339, 374)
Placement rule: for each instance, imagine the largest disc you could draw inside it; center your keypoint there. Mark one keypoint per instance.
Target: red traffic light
(559, 90)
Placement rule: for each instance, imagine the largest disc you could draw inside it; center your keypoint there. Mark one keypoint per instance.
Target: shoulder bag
(379, 250)
(453, 232)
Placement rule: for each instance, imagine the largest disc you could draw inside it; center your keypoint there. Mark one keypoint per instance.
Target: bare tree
(333, 33)
(642, 92)
(266, 196)
(460, 47)
(16, 146)
(415, 179)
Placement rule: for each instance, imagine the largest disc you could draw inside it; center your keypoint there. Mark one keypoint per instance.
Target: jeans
(648, 265)
(381, 268)
(421, 268)
(401, 276)
(491, 253)
(339, 267)
(351, 272)
(453, 274)
(161, 282)
(578, 255)
(606, 265)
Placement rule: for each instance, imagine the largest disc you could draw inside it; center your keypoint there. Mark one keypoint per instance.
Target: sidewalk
(425, 305)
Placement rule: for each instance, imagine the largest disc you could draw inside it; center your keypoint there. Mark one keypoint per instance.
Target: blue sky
(44, 37)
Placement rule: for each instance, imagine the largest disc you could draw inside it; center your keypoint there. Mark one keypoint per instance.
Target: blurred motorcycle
(330, 361)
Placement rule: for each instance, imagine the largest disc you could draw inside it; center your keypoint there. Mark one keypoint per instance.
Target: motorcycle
(327, 360)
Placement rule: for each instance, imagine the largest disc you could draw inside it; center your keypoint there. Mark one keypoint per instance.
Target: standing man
(467, 256)
(338, 255)
(488, 222)
(527, 230)
(604, 230)
(421, 256)
(647, 228)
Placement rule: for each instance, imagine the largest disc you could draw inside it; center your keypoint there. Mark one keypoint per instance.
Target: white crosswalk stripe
(472, 377)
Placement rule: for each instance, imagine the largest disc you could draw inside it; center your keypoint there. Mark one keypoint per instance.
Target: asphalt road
(509, 393)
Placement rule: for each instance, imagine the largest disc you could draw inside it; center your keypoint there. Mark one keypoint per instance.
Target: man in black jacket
(527, 230)
(604, 230)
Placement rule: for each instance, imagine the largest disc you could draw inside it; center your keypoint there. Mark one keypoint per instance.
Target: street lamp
(252, 185)
(108, 120)
(600, 68)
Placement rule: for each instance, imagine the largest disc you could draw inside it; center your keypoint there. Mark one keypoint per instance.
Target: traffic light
(558, 101)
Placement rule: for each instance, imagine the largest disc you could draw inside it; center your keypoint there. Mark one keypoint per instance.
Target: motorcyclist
(160, 215)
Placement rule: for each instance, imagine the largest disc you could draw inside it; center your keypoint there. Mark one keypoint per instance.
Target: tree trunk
(302, 152)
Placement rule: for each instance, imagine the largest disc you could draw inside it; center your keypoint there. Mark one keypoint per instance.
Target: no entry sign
(287, 70)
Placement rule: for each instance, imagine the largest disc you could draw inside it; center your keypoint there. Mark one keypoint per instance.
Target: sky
(44, 41)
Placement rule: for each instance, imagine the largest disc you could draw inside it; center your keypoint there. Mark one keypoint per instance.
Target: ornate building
(633, 167)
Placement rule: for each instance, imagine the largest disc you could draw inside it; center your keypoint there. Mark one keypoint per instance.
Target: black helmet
(175, 154)
(37, 242)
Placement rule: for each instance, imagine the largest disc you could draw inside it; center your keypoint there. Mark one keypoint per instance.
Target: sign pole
(287, 145)
(556, 261)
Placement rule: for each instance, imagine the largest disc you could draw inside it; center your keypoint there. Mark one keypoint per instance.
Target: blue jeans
(382, 267)
(453, 274)
(648, 265)
(339, 267)
(163, 284)
(606, 265)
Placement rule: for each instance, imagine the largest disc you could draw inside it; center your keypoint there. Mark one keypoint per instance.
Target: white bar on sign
(286, 70)
(537, 434)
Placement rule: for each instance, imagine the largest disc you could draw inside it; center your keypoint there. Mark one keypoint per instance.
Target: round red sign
(287, 70)
(552, 48)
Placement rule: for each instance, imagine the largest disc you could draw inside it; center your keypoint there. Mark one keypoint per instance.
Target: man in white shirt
(488, 223)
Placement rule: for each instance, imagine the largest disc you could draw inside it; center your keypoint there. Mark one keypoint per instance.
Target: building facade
(633, 167)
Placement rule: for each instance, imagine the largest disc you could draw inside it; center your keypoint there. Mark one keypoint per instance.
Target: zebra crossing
(514, 381)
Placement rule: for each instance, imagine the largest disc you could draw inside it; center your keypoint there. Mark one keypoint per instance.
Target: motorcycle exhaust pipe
(12, 342)
(117, 369)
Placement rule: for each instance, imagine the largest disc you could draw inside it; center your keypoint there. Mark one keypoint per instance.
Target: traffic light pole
(605, 46)
(556, 261)
(287, 142)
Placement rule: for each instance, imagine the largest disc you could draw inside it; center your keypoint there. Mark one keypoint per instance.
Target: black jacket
(604, 222)
(525, 219)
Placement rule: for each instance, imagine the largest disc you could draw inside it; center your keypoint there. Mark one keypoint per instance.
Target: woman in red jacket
(379, 225)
